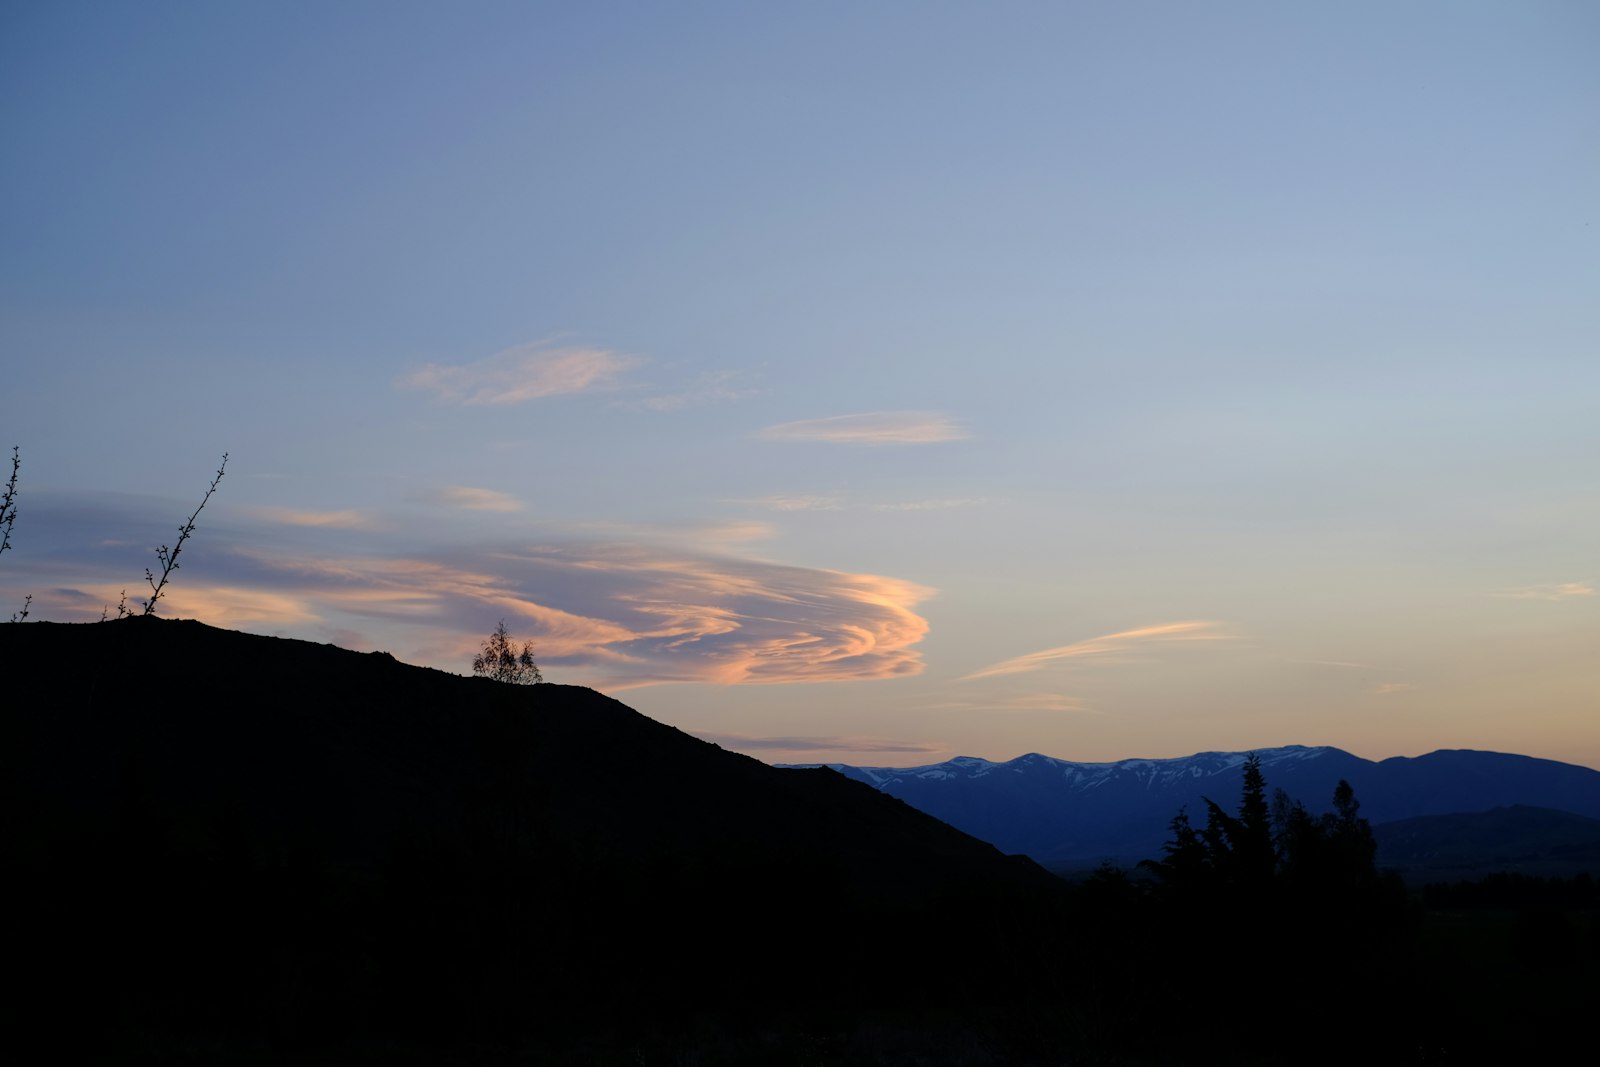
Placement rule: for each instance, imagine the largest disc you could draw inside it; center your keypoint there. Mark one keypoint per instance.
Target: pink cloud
(348, 519)
(527, 372)
(1105, 645)
(616, 616)
(604, 613)
(1553, 591)
(231, 606)
(876, 428)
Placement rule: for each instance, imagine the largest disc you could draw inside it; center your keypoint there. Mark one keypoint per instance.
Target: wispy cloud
(741, 621)
(799, 503)
(942, 504)
(1553, 591)
(1044, 702)
(1051, 702)
(1106, 645)
(340, 520)
(235, 607)
(611, 616)
(733, 533)
(1342, 663)
(516, 375)
(600, 611)
(712, 387)
(877, 428)
(473, 499)
(1387, 688)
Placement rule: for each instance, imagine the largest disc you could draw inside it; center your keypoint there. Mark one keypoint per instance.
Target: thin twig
(169, 559)
(8, 519)
(8, 500)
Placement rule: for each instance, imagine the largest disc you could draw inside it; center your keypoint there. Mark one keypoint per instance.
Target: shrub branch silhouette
(501, 661)
(8, 502)
(123, 611)
(8, 519)
(169, 557)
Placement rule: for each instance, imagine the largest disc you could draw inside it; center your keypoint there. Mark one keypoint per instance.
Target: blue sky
(878, 382)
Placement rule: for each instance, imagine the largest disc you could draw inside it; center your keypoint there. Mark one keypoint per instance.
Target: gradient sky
(876, 382)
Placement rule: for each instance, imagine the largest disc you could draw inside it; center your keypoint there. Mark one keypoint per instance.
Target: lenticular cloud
(618, 616)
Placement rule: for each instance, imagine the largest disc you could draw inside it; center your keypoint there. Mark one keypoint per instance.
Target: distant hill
(218, 840)
(1067, 814)
(1520, 839)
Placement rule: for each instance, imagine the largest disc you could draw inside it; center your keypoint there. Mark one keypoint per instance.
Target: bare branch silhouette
(169, 557)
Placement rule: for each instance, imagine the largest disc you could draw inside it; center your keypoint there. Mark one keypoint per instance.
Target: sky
(867, 382)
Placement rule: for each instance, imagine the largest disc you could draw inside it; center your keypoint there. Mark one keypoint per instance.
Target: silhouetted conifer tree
(1253, 845)
(1187, 860)
(1238, 849)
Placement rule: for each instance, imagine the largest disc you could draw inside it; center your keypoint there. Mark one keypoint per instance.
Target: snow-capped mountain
(1063, 813)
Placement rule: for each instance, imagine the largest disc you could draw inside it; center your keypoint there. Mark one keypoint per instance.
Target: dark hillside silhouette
(225, 848)
(253, 842)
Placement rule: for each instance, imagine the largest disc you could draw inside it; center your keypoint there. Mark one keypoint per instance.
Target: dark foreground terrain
(222, 848)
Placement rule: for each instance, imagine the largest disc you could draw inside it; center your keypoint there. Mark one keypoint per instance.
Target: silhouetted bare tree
(501, 661)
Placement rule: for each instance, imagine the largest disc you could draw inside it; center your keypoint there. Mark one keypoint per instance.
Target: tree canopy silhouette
(1264, 844)
(503, 662)
(1268, 872)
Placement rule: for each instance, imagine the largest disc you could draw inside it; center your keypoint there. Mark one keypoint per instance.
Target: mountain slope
(261, 840)
(1064, 813)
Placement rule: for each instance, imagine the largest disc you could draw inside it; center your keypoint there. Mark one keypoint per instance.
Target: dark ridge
(219, 840)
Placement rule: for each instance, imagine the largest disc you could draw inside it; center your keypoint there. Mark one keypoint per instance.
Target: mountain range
(1069, 815)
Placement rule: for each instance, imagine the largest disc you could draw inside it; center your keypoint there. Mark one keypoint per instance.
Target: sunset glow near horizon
(874, 383)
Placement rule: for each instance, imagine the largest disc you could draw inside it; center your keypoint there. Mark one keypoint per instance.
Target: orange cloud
(607, 614)
(1043, 702)
(419, 590)
(341, 520)
(231, 606)
(1108, 644)
(618, 616)
(877, 428)
(932, 505)
(527, 372)
(799, 503)
(731, 533)
(742, 622)
(1553, 591)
